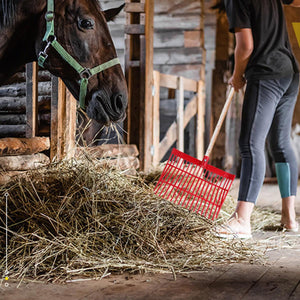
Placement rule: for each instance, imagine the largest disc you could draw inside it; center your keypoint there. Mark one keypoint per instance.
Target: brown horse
(80, 28)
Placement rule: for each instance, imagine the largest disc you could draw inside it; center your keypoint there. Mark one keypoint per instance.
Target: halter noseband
(84, 73)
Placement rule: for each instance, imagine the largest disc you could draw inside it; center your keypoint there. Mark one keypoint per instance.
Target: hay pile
(74, 218)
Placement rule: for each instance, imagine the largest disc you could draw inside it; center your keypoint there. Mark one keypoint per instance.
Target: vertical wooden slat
(54, 118)
(156, 123)
(70, 135)
(149, 32)
(62, 124)
(31, 99)
(180, 115)
(200, 121)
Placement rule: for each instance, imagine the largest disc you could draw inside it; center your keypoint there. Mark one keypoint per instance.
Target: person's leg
(261, 99)
(283, 154)
(288, 214)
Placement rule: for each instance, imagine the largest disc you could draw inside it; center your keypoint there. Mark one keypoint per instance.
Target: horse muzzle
(106, 109)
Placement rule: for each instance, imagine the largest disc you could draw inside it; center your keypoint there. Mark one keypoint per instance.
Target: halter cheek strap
(84, 73)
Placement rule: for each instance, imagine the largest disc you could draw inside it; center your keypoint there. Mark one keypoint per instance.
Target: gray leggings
(267, 111)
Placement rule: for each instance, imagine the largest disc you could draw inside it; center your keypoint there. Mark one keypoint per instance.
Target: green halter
(84, 73)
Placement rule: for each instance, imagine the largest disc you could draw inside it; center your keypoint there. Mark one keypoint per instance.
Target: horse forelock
(7, 12)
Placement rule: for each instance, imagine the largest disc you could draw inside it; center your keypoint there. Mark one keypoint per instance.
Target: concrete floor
(279, 278)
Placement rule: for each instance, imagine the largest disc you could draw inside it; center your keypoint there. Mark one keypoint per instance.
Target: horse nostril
(119, 103)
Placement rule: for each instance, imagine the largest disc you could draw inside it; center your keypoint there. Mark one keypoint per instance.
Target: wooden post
(61, 124)
(219, 87)
(200, 121)
(139, 72)
(149, 35)
(180, 111)
(63, 121)
(54, 119)
(70, 135)
(31, 99)
(156, 122)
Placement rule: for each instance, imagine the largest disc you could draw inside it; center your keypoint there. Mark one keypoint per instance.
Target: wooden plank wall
(176, 40)
(178, 48)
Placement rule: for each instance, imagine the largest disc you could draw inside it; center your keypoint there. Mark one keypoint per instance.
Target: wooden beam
(108, 151)
(156, 121)
(31, 99)
(134, 29)
(134, 7)
(23, 146)
(61, 124)
(171, 82)
(70, 125)
(54, 119)
(23, 162)
(147, 115)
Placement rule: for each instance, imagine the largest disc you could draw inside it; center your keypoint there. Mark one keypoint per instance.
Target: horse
(71, 40)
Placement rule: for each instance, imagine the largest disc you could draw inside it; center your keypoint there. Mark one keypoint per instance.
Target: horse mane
(7, 12)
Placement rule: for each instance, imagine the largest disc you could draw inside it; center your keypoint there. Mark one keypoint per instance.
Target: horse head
(79, 27)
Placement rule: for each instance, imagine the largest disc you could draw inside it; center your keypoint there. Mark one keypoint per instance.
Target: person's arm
(242, 53)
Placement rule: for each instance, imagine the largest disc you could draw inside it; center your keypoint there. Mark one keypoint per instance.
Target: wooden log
(18, 105)
(15, 146)
(12, 119)
(121, 163)
(19, 90)
(108, 150)
(21, 77)
(23, 162)
(12, 131)
(6, 177)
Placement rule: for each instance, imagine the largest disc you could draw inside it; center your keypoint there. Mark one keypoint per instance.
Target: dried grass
(75, 218)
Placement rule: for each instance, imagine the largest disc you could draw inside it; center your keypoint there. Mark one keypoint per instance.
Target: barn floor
(279, 278)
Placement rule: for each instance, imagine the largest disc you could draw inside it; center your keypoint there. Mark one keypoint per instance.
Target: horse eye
(86, 24)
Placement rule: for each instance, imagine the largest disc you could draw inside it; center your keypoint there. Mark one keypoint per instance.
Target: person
(264, 60)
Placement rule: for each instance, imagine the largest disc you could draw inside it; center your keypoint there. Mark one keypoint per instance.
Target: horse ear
(110, 14)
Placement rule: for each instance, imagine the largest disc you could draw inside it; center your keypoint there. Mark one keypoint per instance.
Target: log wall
(13, 106)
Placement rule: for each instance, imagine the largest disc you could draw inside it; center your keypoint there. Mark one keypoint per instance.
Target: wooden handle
(220, 122)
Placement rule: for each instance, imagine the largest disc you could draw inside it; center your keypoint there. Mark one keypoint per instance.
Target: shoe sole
(230, 236)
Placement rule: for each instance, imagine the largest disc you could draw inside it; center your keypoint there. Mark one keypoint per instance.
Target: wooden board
(5, 177)
(171, 135)
(23, 146)
(108, 151)
(23, 162)
(32, 99)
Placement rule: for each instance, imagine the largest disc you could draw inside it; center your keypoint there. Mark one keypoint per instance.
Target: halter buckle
(85, 74)
(49, 16)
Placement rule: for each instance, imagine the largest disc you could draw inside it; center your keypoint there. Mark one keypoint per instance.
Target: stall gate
(175, 133)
